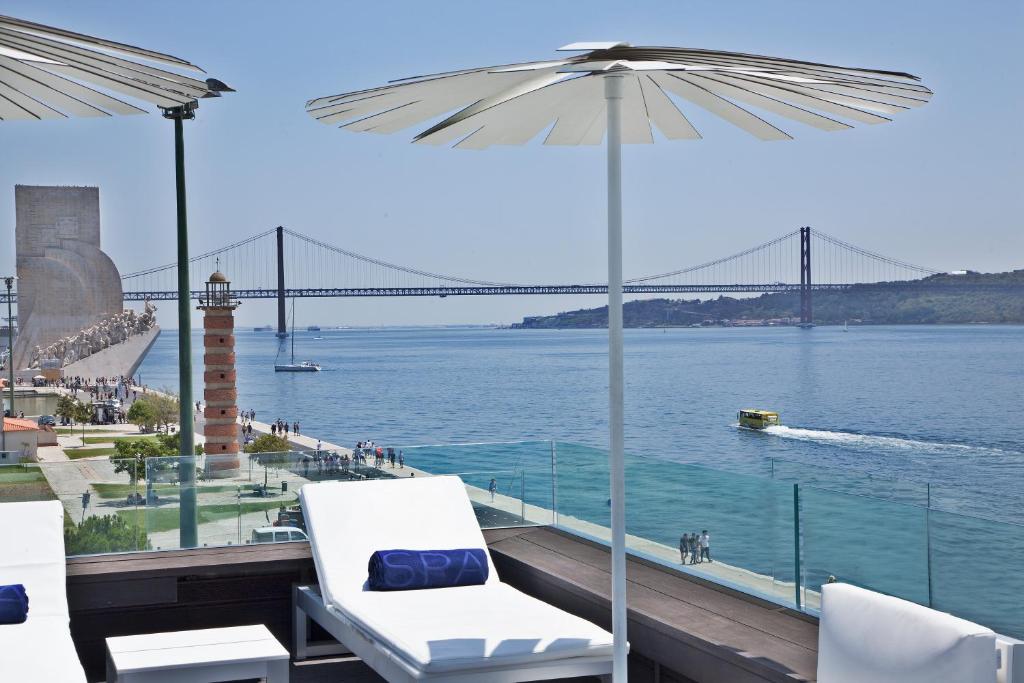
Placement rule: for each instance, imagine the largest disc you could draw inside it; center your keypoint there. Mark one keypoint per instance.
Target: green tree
(269, 450)
(65, 407)
(106, 534)
(132, 455)
(170, 444)
(143, 414)
(166, 408)
(81, 412)
(268, 443)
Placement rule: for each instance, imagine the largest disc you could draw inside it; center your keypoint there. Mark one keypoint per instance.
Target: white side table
(213, 654)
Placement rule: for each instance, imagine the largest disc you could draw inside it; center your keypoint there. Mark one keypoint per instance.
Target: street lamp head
(184, 111)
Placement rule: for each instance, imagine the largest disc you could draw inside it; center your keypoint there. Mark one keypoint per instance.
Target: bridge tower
(282, 323)
(806, 313)
(219, 391)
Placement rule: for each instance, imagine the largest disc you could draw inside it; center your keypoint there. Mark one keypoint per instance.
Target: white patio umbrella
(623, 89)
(53, 73)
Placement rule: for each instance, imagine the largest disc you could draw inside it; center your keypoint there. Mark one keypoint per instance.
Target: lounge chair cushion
(32, 543)
(348, 521)
(41, 650)
(455, 628)
(432, 630)
(32, 554)
(866, 637)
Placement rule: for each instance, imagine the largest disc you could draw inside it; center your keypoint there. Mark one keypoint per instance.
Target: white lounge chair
(32, 553)
(489, 633)
(866, 637)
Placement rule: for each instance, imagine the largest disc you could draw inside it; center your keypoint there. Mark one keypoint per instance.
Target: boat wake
(870, 441)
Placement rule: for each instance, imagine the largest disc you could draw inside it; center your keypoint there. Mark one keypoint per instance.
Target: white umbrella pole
(613, 100)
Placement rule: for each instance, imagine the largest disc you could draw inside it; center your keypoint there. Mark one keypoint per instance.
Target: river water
(927, 403)
(888, 430)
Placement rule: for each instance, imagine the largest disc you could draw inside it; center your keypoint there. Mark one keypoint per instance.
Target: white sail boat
(304, 366)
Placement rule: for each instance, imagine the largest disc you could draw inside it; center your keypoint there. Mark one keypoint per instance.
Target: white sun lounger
(32, 554)
(490, 633)
(868, 637)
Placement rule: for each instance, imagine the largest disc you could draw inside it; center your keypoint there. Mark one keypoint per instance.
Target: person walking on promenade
(391, 456)
(684, 547)
(492, 488)
(273, 430)
(705, 546)
(401, 460)
(694, 556)
(296, 428)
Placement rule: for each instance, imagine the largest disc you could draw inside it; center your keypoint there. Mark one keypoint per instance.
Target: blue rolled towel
(402, 570)
(13, 604)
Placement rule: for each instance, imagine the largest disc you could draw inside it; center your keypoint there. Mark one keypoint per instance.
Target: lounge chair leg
(300, 627)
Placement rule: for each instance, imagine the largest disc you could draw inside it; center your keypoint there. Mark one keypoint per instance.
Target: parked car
(47, 421)
(278, 534)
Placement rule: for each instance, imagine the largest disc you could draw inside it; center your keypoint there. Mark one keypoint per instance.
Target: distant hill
(936, 299)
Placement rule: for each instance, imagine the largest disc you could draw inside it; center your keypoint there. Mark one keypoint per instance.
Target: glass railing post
(796, 545)
(554, 484)
(928, 536)
(522, 496)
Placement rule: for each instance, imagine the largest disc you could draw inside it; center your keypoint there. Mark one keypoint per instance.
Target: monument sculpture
(70, 302)
(104, 334)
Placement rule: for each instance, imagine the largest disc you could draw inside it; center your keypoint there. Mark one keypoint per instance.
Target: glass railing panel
(524, 479)
(976, 570)
(20, 483)
(845, 480)
(99, 506)
(748, 519)
(878, 544)
(254, 498)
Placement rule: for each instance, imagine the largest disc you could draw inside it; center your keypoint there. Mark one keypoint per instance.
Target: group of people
(365, 450)
(326, 463)
(283, 427)
(697, 548)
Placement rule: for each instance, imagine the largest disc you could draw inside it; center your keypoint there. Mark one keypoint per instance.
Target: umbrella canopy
(50, 73)
(621, 90)
(513, 103)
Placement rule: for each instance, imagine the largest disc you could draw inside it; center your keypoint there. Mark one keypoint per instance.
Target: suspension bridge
(281, 263)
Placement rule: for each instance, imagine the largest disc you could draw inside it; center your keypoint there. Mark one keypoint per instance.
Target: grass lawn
(77, 431)
(19, 483)
(115, 439)
(76, 453)
(118, 491)
(166, 519)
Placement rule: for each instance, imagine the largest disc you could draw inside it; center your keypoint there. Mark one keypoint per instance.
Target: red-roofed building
(21, 440)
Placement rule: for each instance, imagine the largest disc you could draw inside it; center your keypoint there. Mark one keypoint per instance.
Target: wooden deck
(681, 628)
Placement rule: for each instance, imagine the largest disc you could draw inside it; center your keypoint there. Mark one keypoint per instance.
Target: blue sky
(941, 186)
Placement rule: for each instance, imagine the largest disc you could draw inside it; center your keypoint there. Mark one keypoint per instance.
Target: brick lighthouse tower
(219, 392)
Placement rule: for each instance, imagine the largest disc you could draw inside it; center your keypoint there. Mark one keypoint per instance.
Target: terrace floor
(682, 629)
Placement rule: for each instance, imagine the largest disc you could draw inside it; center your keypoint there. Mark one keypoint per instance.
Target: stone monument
(70, 303)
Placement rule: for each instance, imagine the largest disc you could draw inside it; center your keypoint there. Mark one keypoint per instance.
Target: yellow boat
(757, 419)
